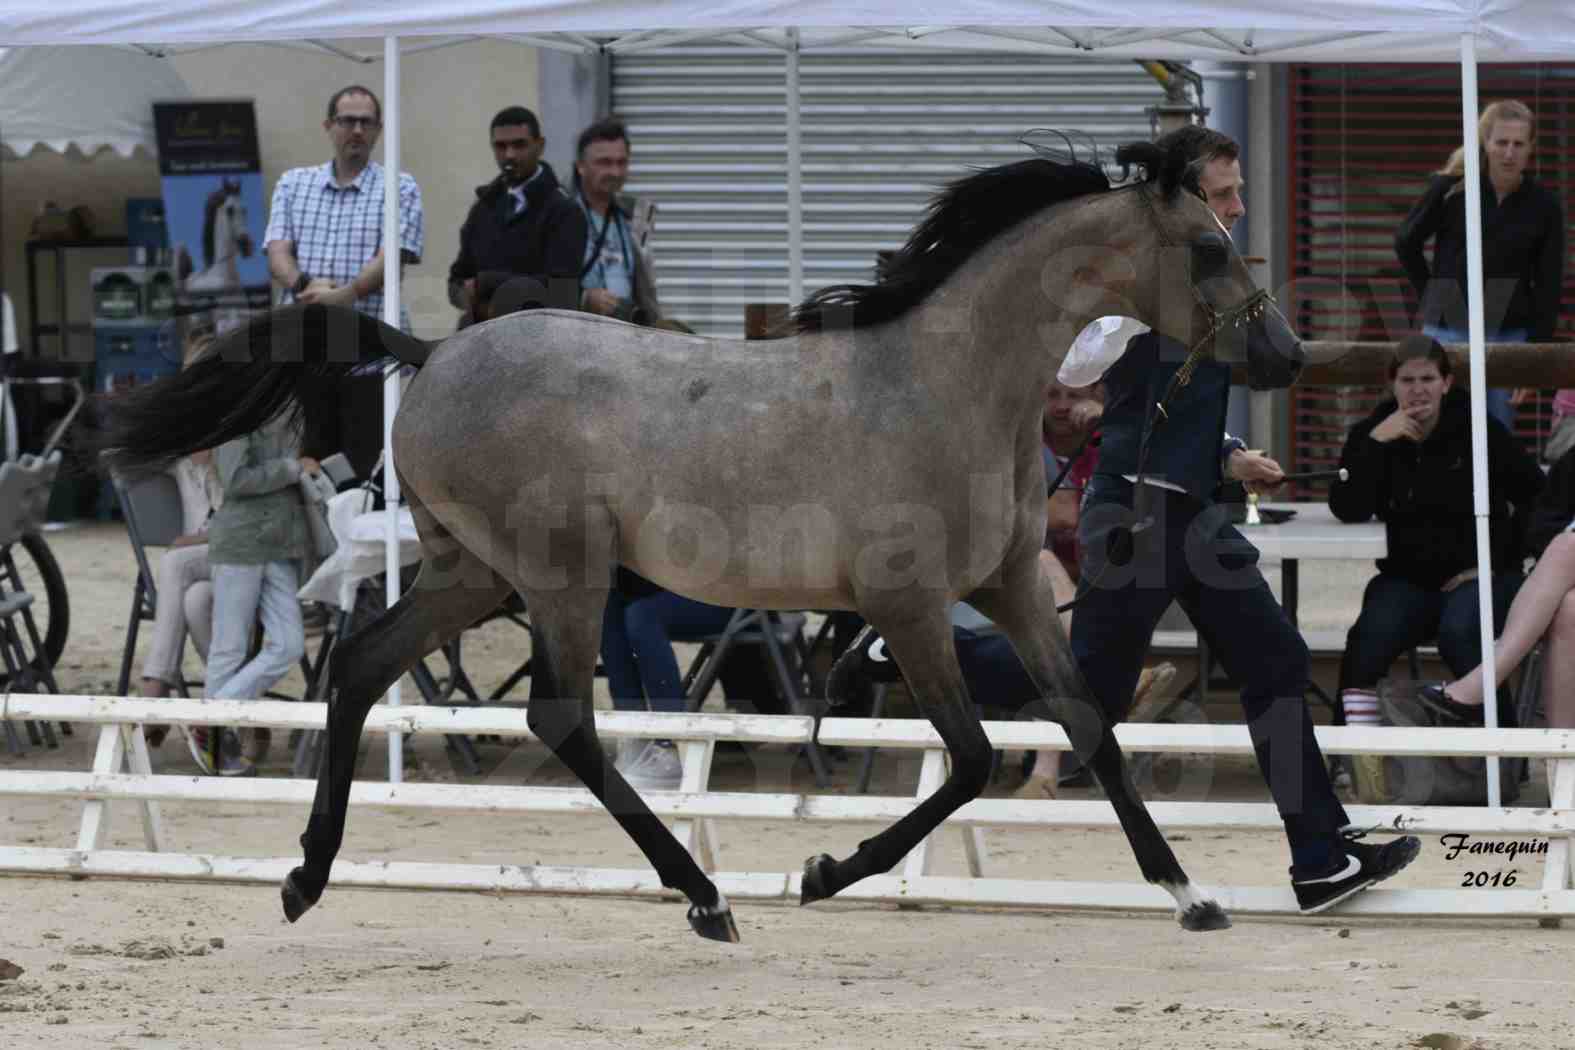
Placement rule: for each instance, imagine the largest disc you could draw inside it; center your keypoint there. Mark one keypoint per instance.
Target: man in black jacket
(523, 225)
(1409, 465)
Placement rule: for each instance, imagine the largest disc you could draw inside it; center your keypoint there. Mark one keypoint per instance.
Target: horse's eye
(1210, 254)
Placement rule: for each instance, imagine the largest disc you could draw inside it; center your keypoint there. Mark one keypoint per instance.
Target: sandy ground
(130, 964)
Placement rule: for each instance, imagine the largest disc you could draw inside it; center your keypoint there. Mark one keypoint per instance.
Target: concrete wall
(449, 95)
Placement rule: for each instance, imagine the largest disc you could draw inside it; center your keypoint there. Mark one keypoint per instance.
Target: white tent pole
(391, 264)
(1478, 331)
(795, 179)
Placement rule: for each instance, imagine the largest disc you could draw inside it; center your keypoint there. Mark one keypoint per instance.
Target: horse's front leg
(362, 668)
(1024, 607)
(924, 650)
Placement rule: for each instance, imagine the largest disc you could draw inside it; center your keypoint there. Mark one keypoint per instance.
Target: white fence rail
(695, 808)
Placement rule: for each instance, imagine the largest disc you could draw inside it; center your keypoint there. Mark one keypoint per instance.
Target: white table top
(1315, 534)
(360, 553)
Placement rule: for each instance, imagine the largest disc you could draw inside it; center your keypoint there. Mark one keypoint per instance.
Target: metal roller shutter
(1363, 141)
(880, 131)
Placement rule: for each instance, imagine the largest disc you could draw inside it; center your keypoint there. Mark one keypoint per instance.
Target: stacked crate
(133, 326)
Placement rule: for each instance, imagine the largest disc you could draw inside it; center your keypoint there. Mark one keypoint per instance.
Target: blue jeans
(242, 594)
(1398, 615)
(637, 647)
(1498, 405)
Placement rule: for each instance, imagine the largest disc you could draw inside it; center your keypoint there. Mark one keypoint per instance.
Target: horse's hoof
(818, 872)
(1205, 915)
(297, 901)
(714, 923)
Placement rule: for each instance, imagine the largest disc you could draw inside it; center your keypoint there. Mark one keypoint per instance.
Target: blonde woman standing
(1522, 245)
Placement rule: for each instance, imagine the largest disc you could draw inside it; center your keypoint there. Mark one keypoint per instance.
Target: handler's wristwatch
(300, 283)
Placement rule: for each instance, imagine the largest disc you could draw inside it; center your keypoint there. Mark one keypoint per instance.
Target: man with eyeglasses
(325, 226)
(325, 245)
(522, 242)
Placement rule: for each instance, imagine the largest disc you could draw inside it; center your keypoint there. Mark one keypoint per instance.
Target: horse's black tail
(278, 362)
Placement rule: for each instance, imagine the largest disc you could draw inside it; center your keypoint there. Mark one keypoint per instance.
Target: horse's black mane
(972, 211)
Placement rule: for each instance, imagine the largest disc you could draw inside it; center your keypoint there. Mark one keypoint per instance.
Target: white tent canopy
(1266, 30)
(90, 98)
(1276, 30)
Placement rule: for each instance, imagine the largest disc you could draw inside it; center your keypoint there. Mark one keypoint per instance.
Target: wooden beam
(1544, 365)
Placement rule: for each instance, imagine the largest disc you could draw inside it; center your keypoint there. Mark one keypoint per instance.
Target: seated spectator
(1544, 609)
(1409, 465)
(1070, 437)
(256, 543)
(181, 578)
(182, 583)
(638, 626)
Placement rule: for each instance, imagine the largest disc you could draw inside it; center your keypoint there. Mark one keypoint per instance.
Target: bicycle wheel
(38, 573)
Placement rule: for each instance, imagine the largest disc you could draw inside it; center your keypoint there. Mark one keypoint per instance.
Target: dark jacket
(1423, 493)
(1522, 256)
(545, 242)
(1187, 445)
(1555, 506)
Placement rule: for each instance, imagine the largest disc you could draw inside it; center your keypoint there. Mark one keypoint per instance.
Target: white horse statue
(226, 239)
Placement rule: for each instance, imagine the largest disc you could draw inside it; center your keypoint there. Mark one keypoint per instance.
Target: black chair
(151, 509)
(781, 635)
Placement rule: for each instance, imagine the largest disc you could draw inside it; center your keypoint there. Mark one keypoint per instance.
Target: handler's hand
(1258, 472)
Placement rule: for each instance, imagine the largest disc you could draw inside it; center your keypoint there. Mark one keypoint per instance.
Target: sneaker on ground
(1356, 866)
(199, 741)
(232, 763)
(865, 664)
(658, 768)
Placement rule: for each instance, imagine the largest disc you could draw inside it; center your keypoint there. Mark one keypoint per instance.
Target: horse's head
(227, 232)
(1202, 294)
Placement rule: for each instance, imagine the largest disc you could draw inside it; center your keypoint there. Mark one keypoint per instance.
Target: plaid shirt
(337, 230)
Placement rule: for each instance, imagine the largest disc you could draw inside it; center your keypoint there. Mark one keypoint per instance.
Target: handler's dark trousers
(1193, 555)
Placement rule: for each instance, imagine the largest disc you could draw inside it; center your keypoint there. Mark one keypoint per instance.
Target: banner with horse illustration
(211, 169)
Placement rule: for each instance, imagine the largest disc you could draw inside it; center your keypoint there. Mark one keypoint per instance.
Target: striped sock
(1361, 707)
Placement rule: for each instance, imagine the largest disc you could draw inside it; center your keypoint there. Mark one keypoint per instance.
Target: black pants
(1192, 555)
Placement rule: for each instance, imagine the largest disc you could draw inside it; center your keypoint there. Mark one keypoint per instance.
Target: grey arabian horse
(884, 458)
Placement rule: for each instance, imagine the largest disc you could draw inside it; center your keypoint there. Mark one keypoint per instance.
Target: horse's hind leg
(928, 658)
(1027, 614)
(445, 599)
(568, 623)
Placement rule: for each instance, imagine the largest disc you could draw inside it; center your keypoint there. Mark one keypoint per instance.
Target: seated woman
(182, 575)
(642, 671)
(1544, 608)
(1409, 465)
(182, 580)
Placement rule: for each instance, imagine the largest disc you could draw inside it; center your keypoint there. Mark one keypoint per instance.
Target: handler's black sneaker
(1357, 867)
